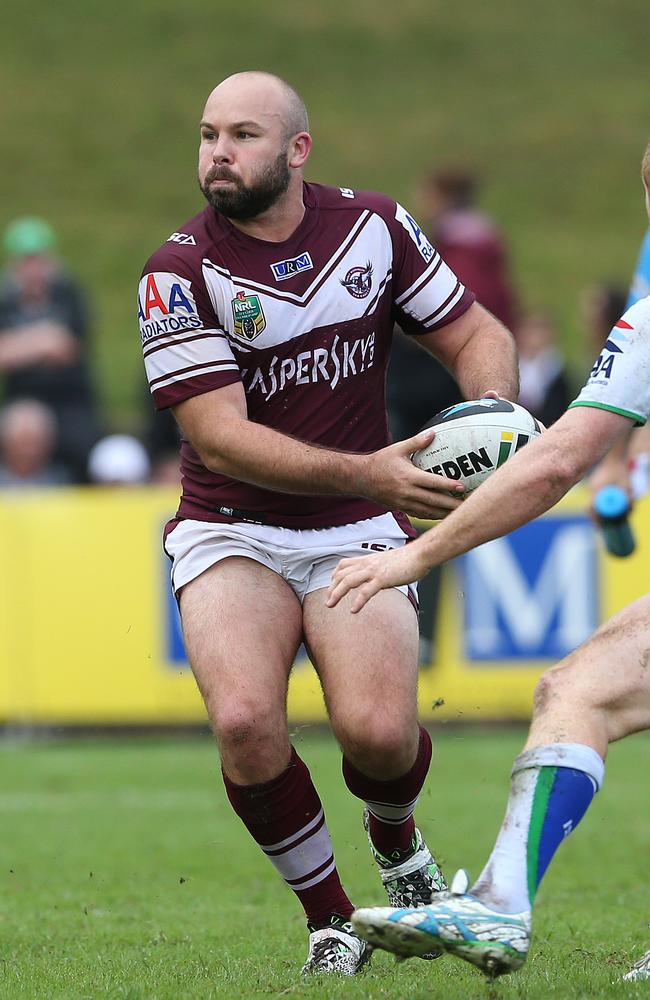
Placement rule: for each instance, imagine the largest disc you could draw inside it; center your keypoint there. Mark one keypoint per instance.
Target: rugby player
(581, 705)
(266, 323)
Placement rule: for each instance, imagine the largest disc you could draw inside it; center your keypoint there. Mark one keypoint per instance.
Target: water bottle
(612, 507)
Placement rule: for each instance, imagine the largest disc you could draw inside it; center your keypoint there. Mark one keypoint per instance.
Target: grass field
(123, 874)
(549, 104)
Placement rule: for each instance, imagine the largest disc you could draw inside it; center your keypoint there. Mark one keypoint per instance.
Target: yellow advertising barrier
(89, 632)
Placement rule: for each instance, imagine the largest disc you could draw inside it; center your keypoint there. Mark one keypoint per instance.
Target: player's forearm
(488, 361)
(264, 457)
(524, 488)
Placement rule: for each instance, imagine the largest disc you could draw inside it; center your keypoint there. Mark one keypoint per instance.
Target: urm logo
(287, 268)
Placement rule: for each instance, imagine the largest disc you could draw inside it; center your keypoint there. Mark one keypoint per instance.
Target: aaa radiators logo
(248, 316)
(166, 305)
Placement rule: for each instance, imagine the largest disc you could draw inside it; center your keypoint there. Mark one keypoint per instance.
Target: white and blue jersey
(620, 379)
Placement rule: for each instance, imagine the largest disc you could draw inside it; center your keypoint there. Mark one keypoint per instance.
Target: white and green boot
(410, 881)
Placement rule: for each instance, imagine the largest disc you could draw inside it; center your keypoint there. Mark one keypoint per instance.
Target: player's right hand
(390, 478)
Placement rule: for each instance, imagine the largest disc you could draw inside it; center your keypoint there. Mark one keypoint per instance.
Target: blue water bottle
(612, 507)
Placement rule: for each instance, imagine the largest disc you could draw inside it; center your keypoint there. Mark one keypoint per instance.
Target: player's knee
(378, 745)
(245, 730)
(545, 692)
(555, 686)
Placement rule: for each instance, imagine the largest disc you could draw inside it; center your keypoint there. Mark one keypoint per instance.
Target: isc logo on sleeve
(165, 305)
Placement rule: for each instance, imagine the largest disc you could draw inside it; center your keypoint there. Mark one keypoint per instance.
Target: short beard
(242, 203)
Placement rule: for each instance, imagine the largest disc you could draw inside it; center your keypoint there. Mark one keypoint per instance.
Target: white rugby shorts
(305, 558)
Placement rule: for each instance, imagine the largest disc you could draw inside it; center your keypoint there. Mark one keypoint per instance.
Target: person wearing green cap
(27, 236)
(44, 327)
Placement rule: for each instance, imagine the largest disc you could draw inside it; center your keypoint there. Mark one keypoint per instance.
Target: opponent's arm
(526, 486)
(479, 351)
(217, 425)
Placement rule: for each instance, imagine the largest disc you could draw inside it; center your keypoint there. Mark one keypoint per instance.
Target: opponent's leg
(368, 668)
(242, 627)
(600, 693)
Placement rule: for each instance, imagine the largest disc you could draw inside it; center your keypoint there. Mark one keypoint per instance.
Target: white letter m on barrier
(547, 612)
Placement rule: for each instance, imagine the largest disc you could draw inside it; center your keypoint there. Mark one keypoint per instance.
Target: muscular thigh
(367, 663)
(242, 627)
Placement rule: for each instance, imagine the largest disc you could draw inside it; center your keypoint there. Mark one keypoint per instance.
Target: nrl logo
(358, 281)
(248, 316)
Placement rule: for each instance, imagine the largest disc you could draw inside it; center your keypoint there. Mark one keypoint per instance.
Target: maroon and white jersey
(305, 324)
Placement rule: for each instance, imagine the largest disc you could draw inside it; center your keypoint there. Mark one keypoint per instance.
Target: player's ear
(299, 149)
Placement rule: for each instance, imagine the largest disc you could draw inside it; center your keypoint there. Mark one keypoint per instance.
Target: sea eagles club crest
(358, 281)
(248, 316)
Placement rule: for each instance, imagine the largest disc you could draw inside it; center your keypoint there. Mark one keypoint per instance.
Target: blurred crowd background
(513, 135)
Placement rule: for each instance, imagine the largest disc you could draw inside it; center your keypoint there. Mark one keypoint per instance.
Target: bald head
(266, 94)
(254, 145)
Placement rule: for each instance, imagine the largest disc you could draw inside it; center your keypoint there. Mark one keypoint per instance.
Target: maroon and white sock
(286, 818)
(391, 803)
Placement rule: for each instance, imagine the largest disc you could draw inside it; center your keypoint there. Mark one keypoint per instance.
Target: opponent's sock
(551, 790)
(286, 818)
(391, 803)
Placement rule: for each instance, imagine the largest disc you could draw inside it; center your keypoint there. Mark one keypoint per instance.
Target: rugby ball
(474, 438)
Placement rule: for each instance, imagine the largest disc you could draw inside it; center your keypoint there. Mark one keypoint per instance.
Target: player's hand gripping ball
(474, 438)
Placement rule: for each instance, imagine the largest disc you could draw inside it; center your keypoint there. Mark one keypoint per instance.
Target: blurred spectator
(418, 386)
(118, 460)
(27, 445)
(163, 440)
(469, 241)
(601, 306)
(43, 338)
(545, 388)
(166, 470)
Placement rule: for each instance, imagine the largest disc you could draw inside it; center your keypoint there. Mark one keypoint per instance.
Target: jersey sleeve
(620, 378)
(186, 351)
(427, 294)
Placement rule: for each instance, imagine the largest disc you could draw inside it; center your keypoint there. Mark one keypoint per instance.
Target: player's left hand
(367, 575)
